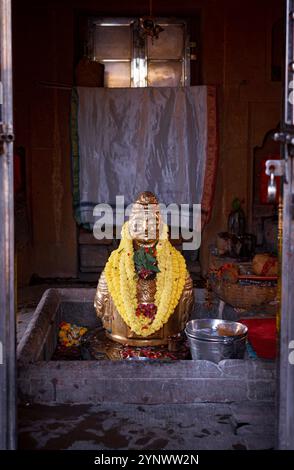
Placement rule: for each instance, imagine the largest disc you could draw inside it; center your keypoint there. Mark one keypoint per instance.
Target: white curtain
(138, 139)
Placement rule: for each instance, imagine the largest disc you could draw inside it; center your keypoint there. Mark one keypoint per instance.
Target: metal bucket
(215, 340)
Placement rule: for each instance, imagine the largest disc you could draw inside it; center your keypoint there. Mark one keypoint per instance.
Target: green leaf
(139, 265)
(140, 255)
(156, 269)
(150, 258)
(145, 260)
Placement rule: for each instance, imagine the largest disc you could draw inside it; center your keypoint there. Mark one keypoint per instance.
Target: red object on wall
(262, 336)
(264, 180)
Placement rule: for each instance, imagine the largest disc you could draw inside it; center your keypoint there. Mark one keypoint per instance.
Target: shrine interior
(235, 52)
(230, 57)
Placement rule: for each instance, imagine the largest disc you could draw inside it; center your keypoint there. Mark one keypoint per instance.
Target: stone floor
(170, 427)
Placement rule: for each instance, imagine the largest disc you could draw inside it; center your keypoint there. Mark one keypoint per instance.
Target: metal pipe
(7, 313)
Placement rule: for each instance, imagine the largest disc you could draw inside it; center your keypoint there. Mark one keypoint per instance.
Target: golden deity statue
(145, 293)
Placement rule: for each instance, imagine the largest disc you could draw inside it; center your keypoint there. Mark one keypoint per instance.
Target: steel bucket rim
(216, 339)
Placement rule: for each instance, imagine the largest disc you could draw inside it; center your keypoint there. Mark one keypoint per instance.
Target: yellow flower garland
(122, 285)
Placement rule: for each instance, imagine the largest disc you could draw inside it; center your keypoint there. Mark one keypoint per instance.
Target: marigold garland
(121, 281)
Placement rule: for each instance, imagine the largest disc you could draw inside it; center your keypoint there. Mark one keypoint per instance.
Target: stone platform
(41, 380)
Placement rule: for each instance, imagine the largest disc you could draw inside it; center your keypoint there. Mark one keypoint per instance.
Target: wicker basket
(240, 296)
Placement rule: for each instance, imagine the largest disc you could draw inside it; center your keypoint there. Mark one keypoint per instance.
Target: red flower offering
(146, 310)
(145, 273)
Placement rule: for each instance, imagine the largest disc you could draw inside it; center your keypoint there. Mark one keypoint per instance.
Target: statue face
(144, 225)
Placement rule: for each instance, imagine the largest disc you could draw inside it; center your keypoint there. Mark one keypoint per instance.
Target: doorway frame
(7, 307)
(286, 320)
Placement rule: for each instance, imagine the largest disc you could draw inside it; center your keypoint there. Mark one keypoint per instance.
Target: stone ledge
(234, 367)
(33, 341)
(97, 382)
(261, 390)
(124, 369)
(253, 369)
(185, 369)
(261, 370)
(133, 390)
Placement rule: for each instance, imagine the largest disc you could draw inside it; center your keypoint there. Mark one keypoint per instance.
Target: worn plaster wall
(235, 54)
(237, 51)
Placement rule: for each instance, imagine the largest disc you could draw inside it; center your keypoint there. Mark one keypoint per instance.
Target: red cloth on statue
(262, 336)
